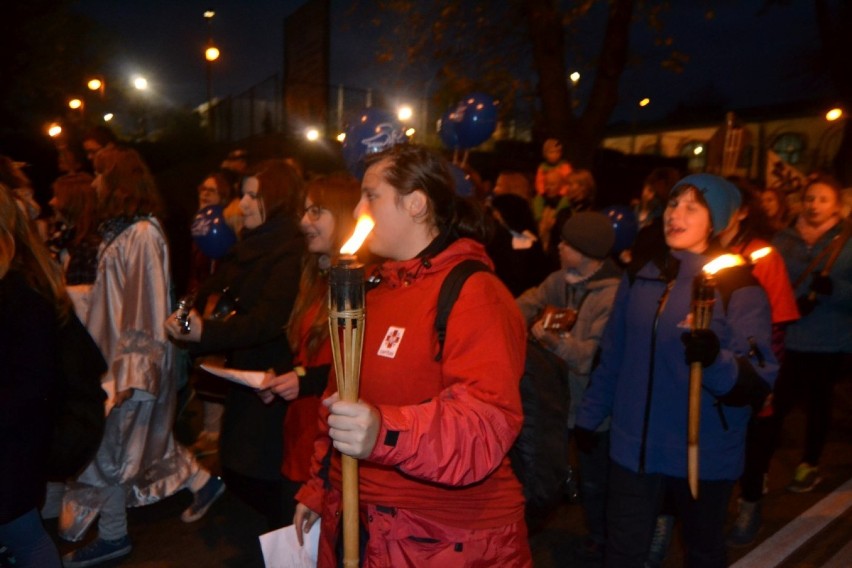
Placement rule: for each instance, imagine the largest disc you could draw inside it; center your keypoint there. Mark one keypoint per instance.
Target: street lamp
(834, 114)
(98, 84)
(211, 54)
(642, 104)
(54, 130)
(405, 113)
(140, 83)
(75, 104)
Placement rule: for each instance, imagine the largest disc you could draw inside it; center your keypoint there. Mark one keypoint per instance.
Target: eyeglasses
(314, 212)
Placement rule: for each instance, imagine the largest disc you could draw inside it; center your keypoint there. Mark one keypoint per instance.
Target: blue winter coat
(643, 378)
(827, 329)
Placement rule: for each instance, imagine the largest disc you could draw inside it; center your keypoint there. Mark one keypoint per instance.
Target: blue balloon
(625, 225)
(372, 131)
(210, 232)
(464, 187)
(447, 130)
(475, 118)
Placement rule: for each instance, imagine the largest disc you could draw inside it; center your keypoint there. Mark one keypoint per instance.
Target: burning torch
(703, 299)
(346, 329)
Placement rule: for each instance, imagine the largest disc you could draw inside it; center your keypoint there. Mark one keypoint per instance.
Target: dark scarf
(111, 228)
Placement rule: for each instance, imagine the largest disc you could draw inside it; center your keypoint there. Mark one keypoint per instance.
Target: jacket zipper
(661, 305)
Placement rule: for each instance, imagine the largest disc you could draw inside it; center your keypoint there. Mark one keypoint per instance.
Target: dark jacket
(29, 376)
(261, 273)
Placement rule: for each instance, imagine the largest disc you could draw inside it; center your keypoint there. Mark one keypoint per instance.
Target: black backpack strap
(450, 290)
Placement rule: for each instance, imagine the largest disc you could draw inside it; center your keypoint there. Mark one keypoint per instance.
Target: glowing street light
(312, 134)
(211, 53)
(54, 130)
(575, 77)
(834, 114)
(644, 102)
(405, 112)
(95, 84)
(75, 104)
(341, 137)
(410, 132)
(108, 116)
(140, 83)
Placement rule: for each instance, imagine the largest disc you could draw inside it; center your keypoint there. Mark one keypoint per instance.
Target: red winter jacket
(446, 427)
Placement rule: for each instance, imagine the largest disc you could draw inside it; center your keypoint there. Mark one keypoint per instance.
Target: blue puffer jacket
(643, 378)
(827, 329)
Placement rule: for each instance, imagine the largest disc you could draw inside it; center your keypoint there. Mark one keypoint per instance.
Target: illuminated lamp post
(141, 84)
(211, 54)
(642, 104)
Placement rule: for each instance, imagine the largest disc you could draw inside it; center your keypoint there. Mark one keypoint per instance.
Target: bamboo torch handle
(695, 373)
(349, 470)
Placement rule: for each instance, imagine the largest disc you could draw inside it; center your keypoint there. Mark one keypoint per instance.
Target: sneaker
(203, 499)
(6, 556)
(660, 541)
(97, 552)
(207, 444)
(805, 479)
(746, 526)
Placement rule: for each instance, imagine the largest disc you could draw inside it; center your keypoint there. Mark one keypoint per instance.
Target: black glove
(586, 440)
(806, 305)
(822, 285)
(702, 346)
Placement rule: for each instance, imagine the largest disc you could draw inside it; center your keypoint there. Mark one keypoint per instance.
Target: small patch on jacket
(391, 438)
(391, 342)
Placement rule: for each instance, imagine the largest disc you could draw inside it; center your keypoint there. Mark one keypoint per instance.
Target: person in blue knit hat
(642, 382)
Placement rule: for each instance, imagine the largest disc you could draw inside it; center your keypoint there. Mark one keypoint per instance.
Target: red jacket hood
(397, 272)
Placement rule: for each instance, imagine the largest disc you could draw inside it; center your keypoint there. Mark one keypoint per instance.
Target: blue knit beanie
(722, 197)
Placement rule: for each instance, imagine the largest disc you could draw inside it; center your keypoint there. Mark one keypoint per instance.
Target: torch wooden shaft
(695, 375)
(701, 315)
(347, 364)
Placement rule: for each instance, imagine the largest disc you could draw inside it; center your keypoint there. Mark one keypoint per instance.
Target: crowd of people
(435, 420)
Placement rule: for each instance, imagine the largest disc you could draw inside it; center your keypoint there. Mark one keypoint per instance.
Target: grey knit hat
(590, 233)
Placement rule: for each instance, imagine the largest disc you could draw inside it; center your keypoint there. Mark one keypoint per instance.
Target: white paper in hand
(281, 549)
(252, 379)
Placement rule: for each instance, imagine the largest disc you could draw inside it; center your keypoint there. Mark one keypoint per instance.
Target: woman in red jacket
(436, 487)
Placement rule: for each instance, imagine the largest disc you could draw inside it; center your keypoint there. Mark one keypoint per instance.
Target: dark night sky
(741, 57)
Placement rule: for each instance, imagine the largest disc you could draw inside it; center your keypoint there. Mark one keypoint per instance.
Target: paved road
(800, 530)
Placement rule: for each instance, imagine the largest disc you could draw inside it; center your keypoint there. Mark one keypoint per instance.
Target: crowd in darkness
(431, 433)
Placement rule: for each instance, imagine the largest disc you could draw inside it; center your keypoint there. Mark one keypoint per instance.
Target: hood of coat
(606, 275)
(404, 272)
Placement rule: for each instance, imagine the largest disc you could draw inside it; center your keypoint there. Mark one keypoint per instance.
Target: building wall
(820, 138)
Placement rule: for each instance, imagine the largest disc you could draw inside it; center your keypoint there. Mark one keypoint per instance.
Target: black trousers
(274, 499)
(636, 499)
(808, 377)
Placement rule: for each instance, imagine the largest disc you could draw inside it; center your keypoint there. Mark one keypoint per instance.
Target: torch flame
(362, 229)
(722, 262)
(759, 253)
